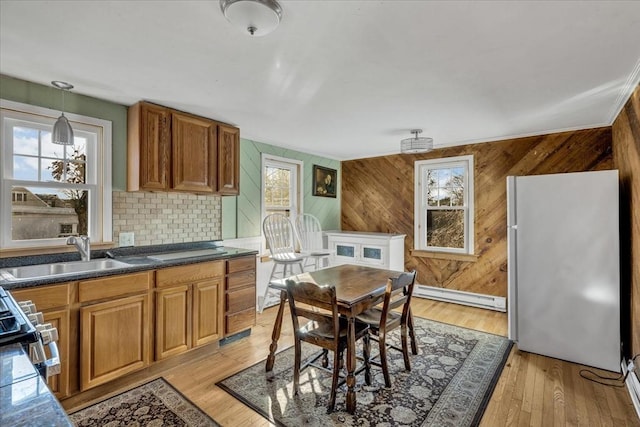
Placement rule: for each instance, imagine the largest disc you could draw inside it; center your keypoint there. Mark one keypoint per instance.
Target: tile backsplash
(163, 218)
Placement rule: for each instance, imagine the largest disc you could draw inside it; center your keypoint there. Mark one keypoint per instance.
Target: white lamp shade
(257, 17)
(62, 133)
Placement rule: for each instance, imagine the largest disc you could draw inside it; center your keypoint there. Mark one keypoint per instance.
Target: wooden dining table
(358, 288)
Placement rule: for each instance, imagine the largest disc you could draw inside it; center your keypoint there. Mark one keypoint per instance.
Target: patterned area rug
(155, 403)
(450, 383)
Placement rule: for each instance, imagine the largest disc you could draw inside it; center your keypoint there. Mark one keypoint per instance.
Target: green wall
(241, 214)
(17, 90)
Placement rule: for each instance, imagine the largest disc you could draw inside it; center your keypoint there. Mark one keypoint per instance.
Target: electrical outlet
(125, 239)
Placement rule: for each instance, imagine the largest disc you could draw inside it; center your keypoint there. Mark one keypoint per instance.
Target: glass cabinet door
(372, 254)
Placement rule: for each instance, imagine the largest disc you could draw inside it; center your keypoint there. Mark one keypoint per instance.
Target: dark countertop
(137, 258)
(25, 399)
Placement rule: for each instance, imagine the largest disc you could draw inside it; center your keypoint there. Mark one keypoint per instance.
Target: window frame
(297, 186)
(422, 208)
(100, 157)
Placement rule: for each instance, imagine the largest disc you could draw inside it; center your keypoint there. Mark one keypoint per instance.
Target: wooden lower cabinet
(188, 307)
(240, 294)
(115, 326)
(53, 301)
(114, 339)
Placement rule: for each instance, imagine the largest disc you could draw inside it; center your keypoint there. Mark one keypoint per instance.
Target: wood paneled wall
(377, 195)
(626, 155)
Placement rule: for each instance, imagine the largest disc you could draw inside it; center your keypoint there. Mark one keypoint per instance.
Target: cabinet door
(228, 160)
(372, 254)
(149, 147)
(173, 321)
(207, 311)
(194, 154)
(345, 253)
(114, 339)
(59, 384)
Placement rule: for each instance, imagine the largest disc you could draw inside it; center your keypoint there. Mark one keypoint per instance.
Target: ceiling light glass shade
(62, 132)
(257, 17)
(416, 144)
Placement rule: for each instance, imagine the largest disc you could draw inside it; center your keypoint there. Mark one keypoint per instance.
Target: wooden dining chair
(310, 237)
(383, 319)
(324, 328)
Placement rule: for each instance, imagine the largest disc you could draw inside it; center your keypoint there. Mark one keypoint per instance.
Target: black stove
(15, 327)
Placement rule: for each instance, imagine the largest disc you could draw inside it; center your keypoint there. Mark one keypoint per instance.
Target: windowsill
(30, 251)
(443, 255)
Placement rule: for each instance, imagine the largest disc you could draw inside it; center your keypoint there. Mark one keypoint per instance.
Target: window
(281, 184)
(48, 189)
(444, 205)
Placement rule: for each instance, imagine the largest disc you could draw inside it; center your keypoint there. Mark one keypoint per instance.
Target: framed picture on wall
(325, 181)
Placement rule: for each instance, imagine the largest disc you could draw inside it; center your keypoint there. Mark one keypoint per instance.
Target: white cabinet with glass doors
(382, 250)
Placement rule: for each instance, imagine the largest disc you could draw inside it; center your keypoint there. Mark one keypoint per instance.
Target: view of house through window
(50, 191)
(444, 204)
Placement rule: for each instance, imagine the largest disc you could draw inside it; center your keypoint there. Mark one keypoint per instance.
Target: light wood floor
(532, 391)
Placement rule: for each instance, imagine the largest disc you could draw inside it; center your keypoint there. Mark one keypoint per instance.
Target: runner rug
(155, 403)
(450, 383)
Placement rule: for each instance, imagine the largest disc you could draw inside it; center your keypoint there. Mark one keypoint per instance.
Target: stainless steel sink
(60, 269)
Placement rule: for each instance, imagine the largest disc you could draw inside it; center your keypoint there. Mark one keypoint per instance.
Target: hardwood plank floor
(533, 390)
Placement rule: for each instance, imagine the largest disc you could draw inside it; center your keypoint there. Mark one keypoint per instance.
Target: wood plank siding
(626, 154)
(377, 195)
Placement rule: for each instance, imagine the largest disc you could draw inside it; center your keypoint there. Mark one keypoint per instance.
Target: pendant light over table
(62, 133)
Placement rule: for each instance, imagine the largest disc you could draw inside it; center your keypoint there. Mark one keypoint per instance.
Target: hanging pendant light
(416, 144)
(62, 133)
(257, 17)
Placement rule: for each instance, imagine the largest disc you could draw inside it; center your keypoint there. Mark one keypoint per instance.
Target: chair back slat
(398, 293)
(309, 232)
(313, 295)
(280, 236)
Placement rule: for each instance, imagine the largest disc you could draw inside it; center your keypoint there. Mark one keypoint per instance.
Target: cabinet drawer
(189, 273)
(241, 264)
(240, 280)
(240, 321)
(241, 300)
(45, 297)
(114, 286)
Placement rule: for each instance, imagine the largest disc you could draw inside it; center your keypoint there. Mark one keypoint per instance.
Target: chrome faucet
(83, 246)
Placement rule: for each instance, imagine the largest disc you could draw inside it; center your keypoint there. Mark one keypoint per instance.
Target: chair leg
(383, 359)
(405, 347)
(412, 334)
(266, 291)
(325, 358)
(296, 368)
(337, 357)
(366, 355)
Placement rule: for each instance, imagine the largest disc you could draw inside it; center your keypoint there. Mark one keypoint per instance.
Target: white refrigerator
(563, 266)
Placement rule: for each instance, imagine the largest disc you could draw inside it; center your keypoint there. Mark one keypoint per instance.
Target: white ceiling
(343, 79)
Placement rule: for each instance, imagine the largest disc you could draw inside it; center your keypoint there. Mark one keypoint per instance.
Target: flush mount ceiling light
(257, 17)
(416, 144)
(62, 133)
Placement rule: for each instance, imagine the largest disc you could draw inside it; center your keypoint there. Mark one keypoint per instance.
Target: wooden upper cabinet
(228, 160)
(194, 143)
(169, 150)
(149, 143)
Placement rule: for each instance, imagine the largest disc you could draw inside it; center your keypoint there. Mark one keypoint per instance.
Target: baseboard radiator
(633, 385)
(490, 302)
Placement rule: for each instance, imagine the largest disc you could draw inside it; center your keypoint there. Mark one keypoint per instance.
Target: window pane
(445, 229)
(25, 140)
(42, 212)
(25, 168)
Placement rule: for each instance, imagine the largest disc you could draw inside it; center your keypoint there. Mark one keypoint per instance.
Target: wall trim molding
(490, 302)
(633, 385)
